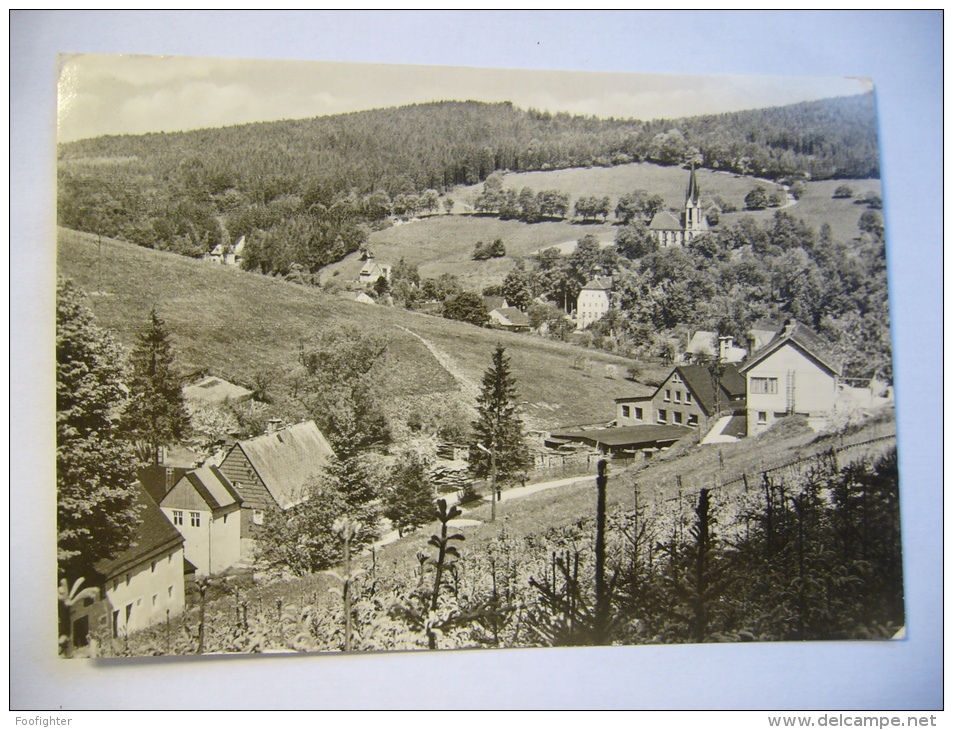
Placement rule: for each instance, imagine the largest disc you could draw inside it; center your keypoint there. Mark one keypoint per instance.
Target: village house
(143, 585)
(795, 373)
(593, 301)
(689, 396)
(670, 230)
(707, 346)
(357, 296)
(212, 390)
(371, 271)
(227, 254)
(271, 471)
(626, 441)
(510, 319)
(205, 508)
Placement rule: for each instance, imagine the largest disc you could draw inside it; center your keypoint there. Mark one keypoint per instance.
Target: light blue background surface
(901, 51)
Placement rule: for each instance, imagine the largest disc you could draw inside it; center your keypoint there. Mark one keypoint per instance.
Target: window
(762, 418)
(638, 413)
(258, 517)
(688, 397)
(177, 517)
(668, 395)
(678, 396)
(153, 566)
(692, 419)
(196, 519)
(155, 598)
(170, 591)
(625, 411)
(764, 386)
(676, 378)
(662, 415)
(677, 417)
(127, 578)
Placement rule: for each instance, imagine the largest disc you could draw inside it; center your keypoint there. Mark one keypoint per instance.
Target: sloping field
(236, 323)
(443, 244)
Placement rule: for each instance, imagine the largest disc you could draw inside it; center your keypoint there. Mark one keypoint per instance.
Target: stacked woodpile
(450, 475)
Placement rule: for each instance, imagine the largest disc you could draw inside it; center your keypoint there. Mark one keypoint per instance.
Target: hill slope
(236, 323)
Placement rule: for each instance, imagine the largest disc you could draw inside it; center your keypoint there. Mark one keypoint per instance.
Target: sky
(130, 94)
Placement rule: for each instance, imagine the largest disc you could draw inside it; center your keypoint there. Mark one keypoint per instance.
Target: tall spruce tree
(157, 414)
(497, 450)
(95, 466)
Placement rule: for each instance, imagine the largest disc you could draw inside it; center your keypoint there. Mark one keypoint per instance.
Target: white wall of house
(635, 412)
(138, 597)
(787, 374)
(591, 305)
(212, 541)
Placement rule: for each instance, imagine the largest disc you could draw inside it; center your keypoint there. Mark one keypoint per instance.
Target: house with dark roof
(691, 395)
(670, 230)
(795, 373)
(142, 585)
(204, 506)
(272, 471)
(510, 319)
(593, 301)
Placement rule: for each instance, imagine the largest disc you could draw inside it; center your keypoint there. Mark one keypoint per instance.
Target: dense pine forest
(327, 182)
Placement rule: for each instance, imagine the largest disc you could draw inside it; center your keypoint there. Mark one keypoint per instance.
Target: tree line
(308, 191)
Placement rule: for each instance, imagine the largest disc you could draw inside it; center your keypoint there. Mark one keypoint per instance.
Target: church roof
(691, 195)
(665, 221)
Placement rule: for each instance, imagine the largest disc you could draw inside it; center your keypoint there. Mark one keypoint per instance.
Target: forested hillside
(318, 186)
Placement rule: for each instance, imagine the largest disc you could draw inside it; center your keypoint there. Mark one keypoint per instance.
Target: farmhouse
(671, 231)
(213, 390)
(204, 507)
(593, 301)
(510, 319)
(371, 271)
(689, 396)
(271, 471)
(707, 346)
(795, 372)
(141, 586)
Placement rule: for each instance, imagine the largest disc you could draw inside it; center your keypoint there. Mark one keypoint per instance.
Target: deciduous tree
(95, 464)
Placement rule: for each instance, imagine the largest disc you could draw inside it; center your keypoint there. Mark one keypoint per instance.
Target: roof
(356, 296)
(665, 221)
(703, 342)
(213, 487)
(805, 339)
(239, 246)
(157, 482)
(514, 316)
(153, 536)
(599, 283)
(698, 379)
(643, 392)
(287, 459)
(691, 195)
(215, 390)
(632, 436)
(218, 250)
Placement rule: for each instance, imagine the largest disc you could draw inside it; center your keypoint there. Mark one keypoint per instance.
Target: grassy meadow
(443, 243)
(235, 323)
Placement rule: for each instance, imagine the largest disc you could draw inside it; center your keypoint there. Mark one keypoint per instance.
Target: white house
(371, 271)
(794, 373)
(593, 301)
(206, 509)
(141, 586)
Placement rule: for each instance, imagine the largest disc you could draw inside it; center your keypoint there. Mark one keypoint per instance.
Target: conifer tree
(156, 413)
(95, 467)
(497, 450)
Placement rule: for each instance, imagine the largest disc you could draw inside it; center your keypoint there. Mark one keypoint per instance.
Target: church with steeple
(671, 231)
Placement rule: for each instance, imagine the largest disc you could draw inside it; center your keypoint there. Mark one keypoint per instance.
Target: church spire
(691, 196)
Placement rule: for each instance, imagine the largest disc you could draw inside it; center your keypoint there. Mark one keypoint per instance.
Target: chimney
(725, 344)
(274, 425)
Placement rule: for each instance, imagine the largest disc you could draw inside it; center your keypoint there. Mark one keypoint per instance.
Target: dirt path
(470, 388)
